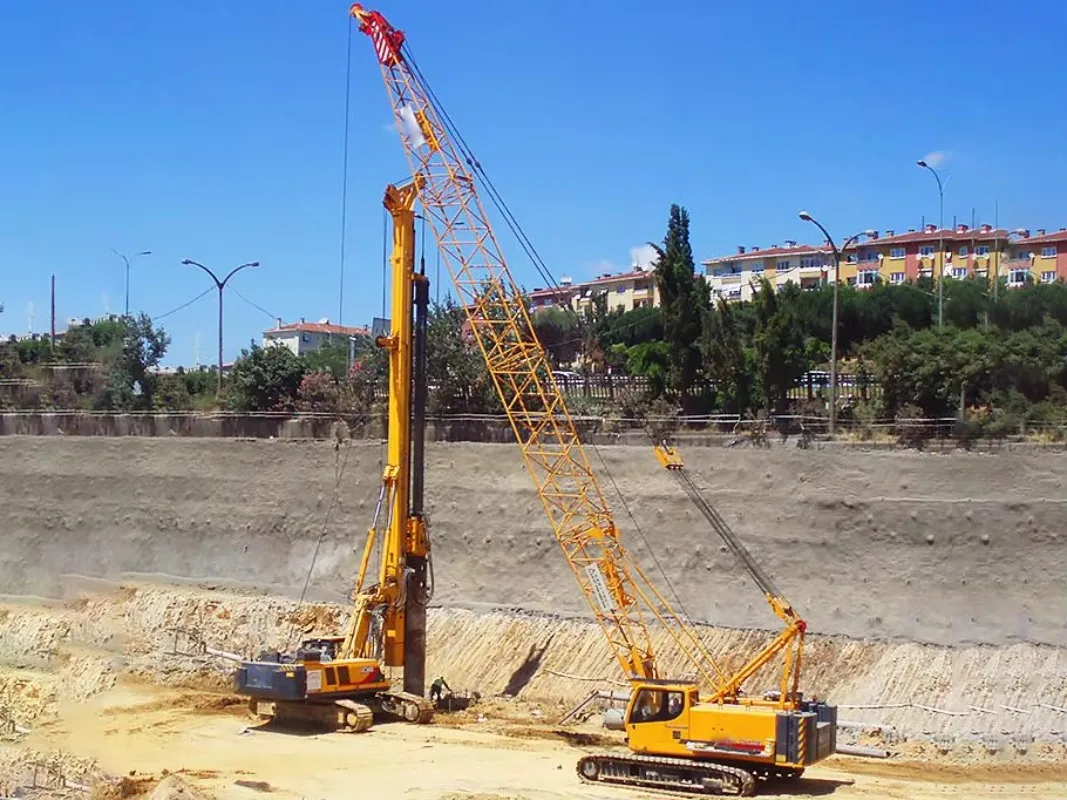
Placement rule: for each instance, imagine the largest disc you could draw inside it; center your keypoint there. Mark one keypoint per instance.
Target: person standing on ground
(437, 689)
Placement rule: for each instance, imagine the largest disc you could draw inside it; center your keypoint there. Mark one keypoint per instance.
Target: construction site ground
(933, 585)
(496, 752)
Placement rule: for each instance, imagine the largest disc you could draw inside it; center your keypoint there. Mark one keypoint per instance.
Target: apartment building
(738, 276)
(1018, 256)
(626, 290)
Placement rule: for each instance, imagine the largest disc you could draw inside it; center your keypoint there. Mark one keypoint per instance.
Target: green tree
(652, 360)
(331, 357)
(142, 348)
(684, 298)
(456, 369)
(725, 360)
(557, 331)
(779, 348)
(265, 379)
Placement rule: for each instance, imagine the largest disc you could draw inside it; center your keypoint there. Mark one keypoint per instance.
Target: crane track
(667, 775)
(408, 707)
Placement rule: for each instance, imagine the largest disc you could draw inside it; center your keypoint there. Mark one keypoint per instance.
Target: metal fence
(727, 430)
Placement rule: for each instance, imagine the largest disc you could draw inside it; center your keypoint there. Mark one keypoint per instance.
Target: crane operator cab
(667, 718)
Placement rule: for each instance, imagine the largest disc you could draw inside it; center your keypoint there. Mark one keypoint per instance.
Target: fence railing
(707, 429)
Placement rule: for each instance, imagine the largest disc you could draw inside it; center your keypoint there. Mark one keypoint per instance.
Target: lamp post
(804, 215)
(126, 259)
(220, 285)
(940, 242)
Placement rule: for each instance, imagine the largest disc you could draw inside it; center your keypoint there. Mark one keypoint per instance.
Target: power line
(254, 305)
(183, 305)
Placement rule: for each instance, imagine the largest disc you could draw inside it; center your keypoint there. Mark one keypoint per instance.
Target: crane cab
(667, 718)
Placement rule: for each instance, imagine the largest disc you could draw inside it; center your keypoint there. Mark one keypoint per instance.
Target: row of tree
(1002, 354)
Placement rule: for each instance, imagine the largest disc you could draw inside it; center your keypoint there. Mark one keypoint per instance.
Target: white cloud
(643, 256)
(936, 158)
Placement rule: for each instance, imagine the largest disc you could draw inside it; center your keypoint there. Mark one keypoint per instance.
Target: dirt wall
(947, 549)
(919, 691)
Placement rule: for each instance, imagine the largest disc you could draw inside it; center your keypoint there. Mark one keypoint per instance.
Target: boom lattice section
(620, 595)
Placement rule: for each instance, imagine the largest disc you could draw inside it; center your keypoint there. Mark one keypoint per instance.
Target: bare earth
(166, 731)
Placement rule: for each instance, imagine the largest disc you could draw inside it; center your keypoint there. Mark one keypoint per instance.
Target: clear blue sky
(212, 129)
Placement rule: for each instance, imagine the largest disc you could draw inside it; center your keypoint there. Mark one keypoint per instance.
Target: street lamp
(806, 217)
(220, 285)
(127, 260)
(940, 242)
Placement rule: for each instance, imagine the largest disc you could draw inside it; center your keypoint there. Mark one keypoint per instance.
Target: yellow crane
(698, 733)
(338, 681)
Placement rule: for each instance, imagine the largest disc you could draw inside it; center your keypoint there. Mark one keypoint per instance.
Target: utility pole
(940, 243)
(804, 215)
(126, 260)
(220, 285)
(53, 317)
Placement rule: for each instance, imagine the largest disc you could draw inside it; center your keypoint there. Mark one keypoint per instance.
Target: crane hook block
(669, 457)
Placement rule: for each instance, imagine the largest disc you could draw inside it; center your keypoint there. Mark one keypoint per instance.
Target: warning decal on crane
(600, 588)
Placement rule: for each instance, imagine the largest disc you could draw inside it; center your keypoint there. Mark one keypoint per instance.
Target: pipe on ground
(863, 752)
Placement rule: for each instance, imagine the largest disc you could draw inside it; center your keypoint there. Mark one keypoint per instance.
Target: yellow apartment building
(626, 290)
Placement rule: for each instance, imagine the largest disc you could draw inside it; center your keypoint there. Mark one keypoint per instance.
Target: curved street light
(127, 259)
(940, 242)
(806, 217)
(220, 285)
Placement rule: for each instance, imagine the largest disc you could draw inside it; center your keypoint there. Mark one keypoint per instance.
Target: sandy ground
(146, 733)
(947, 549)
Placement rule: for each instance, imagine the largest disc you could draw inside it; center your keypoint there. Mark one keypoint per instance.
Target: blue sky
(212, 130)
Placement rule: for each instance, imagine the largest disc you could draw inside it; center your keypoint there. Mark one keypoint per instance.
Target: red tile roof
(319, 327)
(556, 291)
(1055, 236)
(948, 235)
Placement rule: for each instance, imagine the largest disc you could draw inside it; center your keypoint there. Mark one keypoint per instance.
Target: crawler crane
(694, 733)
(338, 681)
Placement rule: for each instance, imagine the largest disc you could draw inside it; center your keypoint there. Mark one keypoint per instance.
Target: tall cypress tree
(684, 298)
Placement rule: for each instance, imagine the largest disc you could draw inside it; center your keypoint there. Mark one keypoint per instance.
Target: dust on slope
(950, 549)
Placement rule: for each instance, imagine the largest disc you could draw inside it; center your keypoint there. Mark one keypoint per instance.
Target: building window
(757, 267)
(1017, 277)
(959, 272)
(810, 262)
(896, 277)
(1049, 276)
(869, 256)
(867, 277)
(964, 251)
(896, 252)
(926, 250)
(981, 250)
(1023, 255)
(782, 266)
(1048, 252)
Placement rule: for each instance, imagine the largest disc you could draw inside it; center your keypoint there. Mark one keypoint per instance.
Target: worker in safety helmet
(437, 689)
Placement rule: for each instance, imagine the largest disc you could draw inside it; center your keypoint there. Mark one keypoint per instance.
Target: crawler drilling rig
(695, 733)
(338, 681)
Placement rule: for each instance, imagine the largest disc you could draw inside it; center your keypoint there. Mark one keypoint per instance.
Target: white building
(307, 337)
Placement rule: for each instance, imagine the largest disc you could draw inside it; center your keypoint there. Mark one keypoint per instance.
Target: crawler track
(408, 707)
(347, 716)
(667, 774)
